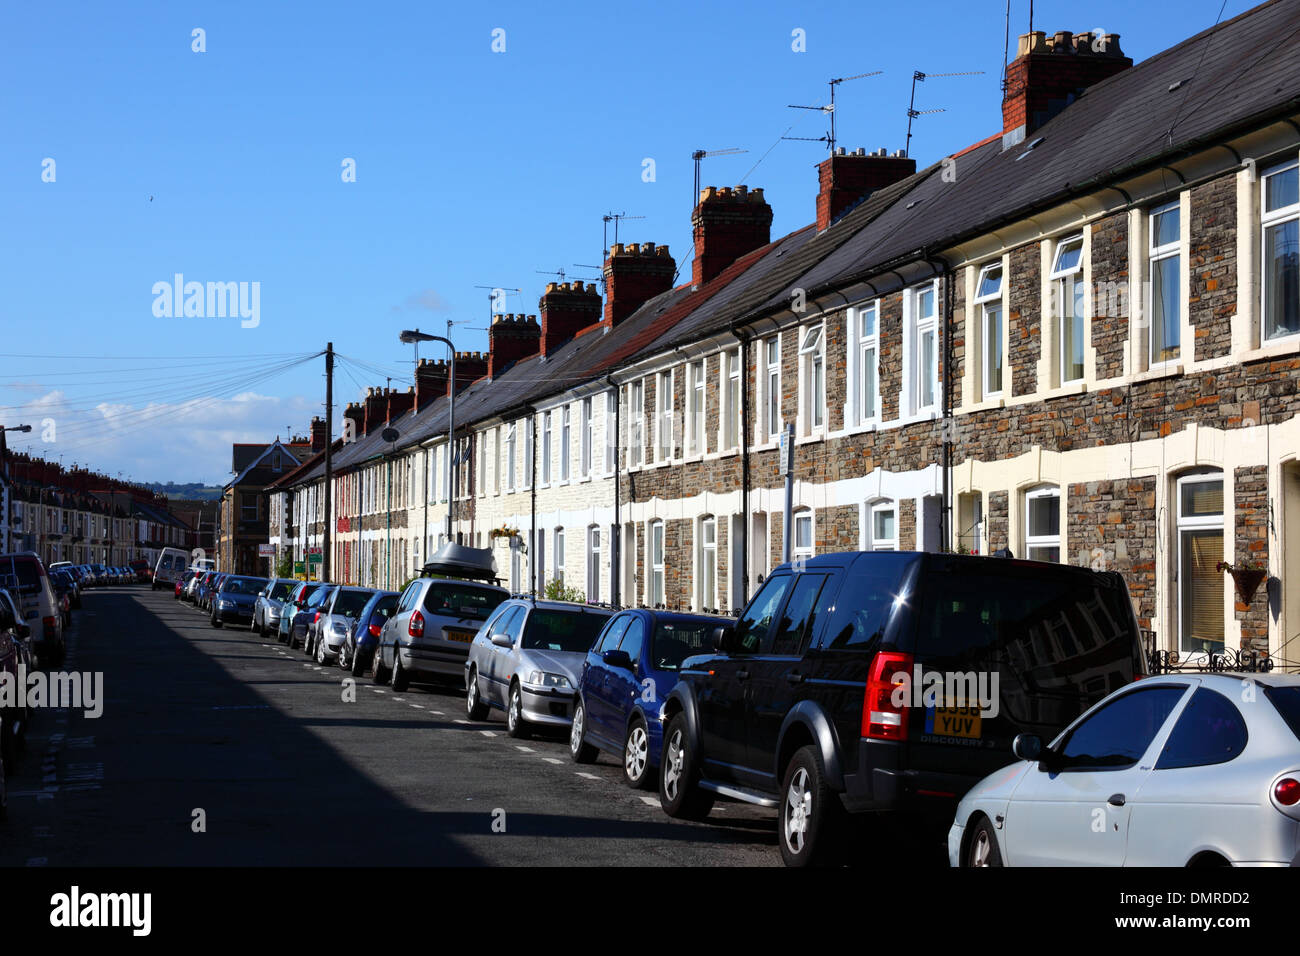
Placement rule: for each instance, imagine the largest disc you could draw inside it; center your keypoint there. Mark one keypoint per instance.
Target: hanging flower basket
(504, 532)
(1247, 579)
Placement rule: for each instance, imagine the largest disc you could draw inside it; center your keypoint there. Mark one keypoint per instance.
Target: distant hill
(192, 491)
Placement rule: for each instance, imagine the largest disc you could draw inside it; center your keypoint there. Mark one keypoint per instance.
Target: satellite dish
(390, 435)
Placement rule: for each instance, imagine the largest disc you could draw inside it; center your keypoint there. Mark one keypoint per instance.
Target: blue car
(628, 673)
(360, 643)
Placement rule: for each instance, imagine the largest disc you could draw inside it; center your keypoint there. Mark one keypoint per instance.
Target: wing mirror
(617, 658)
(502, 639)
(1027, 747)
(724, 638)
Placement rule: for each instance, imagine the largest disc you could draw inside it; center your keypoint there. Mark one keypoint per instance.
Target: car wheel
(516, 726)
(679, 792)
(321, 656)
(399, 681)
(811, 811)
(982, 850)
(378, 673)
(215, 622)
(636, 757)
(358, 666)
(579, 749)
(342, 659)
(475, 709)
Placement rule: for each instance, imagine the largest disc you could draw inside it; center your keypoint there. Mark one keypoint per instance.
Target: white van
(170, 567)
(24, 577)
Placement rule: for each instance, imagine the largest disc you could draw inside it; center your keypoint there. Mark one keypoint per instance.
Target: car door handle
(1116, 800)
(795, 678)
(742, 675)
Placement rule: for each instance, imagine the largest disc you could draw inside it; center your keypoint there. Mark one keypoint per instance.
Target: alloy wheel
(798, 811)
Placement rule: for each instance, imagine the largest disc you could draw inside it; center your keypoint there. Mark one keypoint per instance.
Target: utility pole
(329, 462)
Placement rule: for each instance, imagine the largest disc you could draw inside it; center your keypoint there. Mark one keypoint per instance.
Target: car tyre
(579, 749)
(475, 708)
(321, 657)
(358, 664)
(811, 815)
(379, 673)
(516, 725)
(636, 757)
(982, 848)
(679, 791)
(212, 619)
(399, 680)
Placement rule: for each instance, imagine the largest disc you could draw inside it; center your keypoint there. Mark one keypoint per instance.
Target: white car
(1178, 770)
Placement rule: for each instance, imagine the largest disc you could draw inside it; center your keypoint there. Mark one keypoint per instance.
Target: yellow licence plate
(463, 636)
(953, 722)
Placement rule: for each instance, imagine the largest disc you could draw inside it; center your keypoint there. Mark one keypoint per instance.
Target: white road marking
(589, 776)
(555, 760)
(650, 801)
(488, 733)
(438, 712)
(527, 750)
(418, 706)
(400, 700)
(459, 721)
(379, 690)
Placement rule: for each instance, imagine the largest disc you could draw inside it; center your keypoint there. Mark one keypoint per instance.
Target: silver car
(1185, 769)
(428, 636)
(338, 618)
(527, 660)
(270, 602)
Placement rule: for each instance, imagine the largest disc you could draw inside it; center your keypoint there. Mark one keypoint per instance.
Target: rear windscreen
(549, 630)
(243, 585)
(20, 574)
(281, 590)
(461, 601)
(351, 603)
(1287, 702)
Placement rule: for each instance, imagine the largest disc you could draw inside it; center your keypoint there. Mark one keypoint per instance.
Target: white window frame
(512, 444)
(548, 452)
(707, 563)
(593, 563)
(1217, 522)
(655, 579)
(696, 376)
(863, 355)
(636, 422)
(611, 437)
(566, 443)
(917, 327)
(769, 406)
(812, 379)
(557, 553)
(1155, 256)
(1048, 540)
(987, 304)
(496, 460)
(802, 519)
(1271, 219)
(664, 417)
(1060, 278)
(526, 462)
(874, 543)
(729, 400)
(588, 437)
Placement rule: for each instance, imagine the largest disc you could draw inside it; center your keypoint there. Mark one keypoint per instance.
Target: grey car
(527, 660)
(269, 604)
(427, 638)
(338, 618)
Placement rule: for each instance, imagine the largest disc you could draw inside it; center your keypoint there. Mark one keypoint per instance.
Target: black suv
(866, 682)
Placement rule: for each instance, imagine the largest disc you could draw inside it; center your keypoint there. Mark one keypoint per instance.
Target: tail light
(315, 617)
(49, 624)
(882, 719)
(416, 627)
(1287, 791)
(374, 630)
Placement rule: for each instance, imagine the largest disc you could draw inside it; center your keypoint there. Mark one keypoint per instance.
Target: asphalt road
(260, 745)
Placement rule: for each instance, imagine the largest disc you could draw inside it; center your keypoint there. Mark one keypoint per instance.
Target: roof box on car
(457, 561)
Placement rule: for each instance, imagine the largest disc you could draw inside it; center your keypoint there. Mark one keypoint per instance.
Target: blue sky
(473, 167)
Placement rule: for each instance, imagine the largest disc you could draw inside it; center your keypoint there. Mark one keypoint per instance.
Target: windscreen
(281, 590)
(351, 603)
(243, 585)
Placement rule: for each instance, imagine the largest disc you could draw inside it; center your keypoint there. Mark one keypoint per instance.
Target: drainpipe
(616, 533)
(945, 428)
(532, 487)
(744, 464)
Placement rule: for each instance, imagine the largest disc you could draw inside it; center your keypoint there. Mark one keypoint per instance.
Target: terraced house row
(1077, 340)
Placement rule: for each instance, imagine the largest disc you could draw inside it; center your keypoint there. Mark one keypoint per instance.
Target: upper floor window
(730, 373)
(1067, 283)
(511, 436)
(1165, 267)
(664, 417)
(921, 344)
(812, 373)
(864, 364)
(566, 443)
(1280, 208)
(496, 460)
(526, 462)
(769, 415)
(1043, 524)
(587, 437)
(695, 408)
(611, 445)
(988, 301)
(546, 448)
(636, 422)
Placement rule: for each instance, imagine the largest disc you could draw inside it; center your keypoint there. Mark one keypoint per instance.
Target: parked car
(624, 681)
(359, 647)
(233, 601)
(172, 564)
(142, 573)
(526, 661)
(178, 589)
(292, 605)
(814, 703)
(211, 582)
(319, 604)
(1178, 770)
(64, 590)
(15, 636)
(26, 580)
(339, 616)
(71, 583)
(305, 614)
(270, 601)
(190, 592)
(427, 639)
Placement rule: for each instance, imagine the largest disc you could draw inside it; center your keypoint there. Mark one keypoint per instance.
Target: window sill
(1163, 370)
(860, 428)
(984, 404)
(1274, 349)
(1060, 391)
(819, 435)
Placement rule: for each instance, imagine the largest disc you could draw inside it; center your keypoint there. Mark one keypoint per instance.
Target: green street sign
(299, 567)
(315, 558)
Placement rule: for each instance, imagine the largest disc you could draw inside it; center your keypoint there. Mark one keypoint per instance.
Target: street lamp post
(415, 337)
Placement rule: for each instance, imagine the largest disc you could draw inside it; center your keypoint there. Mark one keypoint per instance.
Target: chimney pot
(726, 230)
(1041, 82)
(845, 178)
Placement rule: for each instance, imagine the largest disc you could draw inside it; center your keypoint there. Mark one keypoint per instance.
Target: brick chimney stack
(318, 435)
(727, 224)
(635, 274)
(1048, 75)
(845, 178)
(511, 338)
(567, 309)
(356, 414)
(399, 403)
(430, 382)
(376, 409)
(470, 367)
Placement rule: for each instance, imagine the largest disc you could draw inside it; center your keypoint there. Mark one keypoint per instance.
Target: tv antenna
(913, 112)
(544, 272)
(829, 138)
(700, 155)
(492, 299)
(615, 218)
